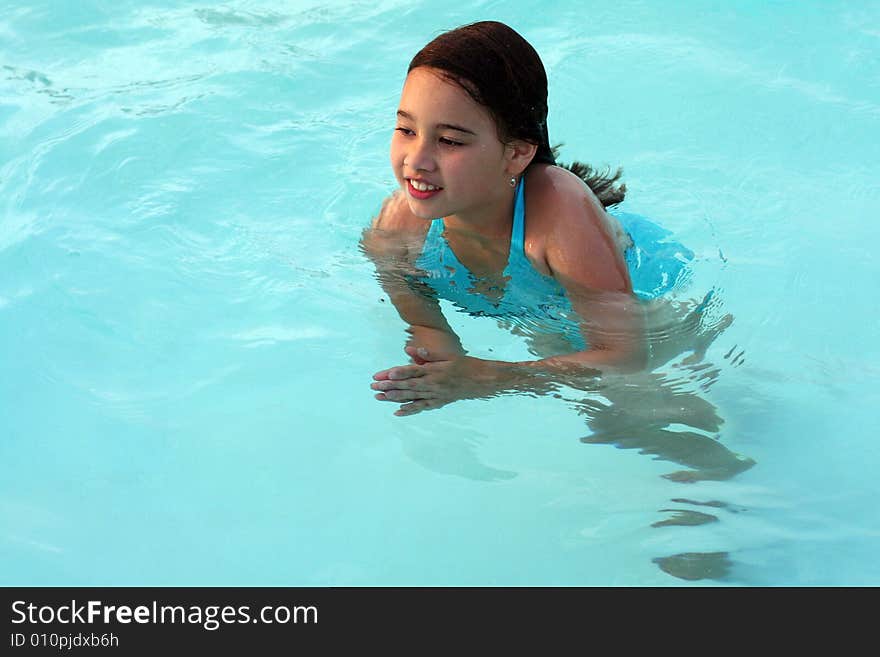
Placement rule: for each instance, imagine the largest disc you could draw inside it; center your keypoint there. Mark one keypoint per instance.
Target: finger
(421, 383)
(406, 372)
(419, 353)
(383, 375)
(401, 396)
(397, 373)
(422, 355)
(393, 390)
(418, 406)
(388, 384)
(382, 396)
(413, 356)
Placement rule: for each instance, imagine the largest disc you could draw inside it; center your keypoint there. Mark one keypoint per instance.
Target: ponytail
(606, 185)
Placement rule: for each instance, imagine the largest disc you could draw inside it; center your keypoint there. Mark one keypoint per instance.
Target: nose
(420, 156)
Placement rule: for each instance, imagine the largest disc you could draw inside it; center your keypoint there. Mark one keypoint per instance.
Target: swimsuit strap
(436, 254)
(435, 247)
(517, 234)
(434, 236)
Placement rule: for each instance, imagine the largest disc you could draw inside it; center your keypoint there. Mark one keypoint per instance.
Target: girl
(486, 218)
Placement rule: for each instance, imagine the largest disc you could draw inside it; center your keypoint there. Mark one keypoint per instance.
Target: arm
(583, 255)
(389, 243)
(579, 252)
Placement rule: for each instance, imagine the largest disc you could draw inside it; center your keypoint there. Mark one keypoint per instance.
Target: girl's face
(446, 153)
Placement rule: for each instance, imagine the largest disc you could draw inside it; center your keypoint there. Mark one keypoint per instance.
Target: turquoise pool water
(188, 328)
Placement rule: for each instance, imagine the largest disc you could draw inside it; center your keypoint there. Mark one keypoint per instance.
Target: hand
(434, 381)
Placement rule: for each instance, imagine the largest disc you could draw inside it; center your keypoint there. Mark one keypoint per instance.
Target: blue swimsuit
(656, 264)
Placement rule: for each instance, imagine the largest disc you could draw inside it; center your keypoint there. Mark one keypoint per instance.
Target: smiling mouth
(420, 189)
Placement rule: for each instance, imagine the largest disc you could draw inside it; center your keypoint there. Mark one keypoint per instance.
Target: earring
(513, 181)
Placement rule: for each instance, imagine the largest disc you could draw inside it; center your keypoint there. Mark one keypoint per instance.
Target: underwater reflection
(694, 566)
(661, 413)
(640, 415)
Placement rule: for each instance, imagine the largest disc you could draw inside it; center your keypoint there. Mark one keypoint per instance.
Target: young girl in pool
(487, 219)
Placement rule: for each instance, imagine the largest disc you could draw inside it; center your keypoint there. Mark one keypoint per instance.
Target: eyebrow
(447, 126)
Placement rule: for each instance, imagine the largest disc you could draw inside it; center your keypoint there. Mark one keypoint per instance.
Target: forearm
(595, 361)
(441, 341)
(434, 379)
(575, 369)
(617, 348)
(426, 324)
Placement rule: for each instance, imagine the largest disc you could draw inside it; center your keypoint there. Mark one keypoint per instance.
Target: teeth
(422, 187)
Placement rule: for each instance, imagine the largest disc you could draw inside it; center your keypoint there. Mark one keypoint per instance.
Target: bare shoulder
(395, 230)
(568, 226)
(559, 201)
(395, 215)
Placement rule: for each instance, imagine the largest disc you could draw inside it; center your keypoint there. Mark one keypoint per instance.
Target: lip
(422, 196)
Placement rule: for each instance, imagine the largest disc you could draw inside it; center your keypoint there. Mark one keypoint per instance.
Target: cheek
(396, 161)
(471, 168)
(397, 146)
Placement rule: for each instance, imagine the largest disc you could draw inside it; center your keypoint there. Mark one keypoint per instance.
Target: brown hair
(500, 70)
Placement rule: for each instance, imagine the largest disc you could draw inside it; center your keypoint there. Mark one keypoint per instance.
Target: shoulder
(395, 216)
(569, 228)
(395, 229)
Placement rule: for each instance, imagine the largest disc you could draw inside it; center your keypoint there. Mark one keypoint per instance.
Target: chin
(418, 209)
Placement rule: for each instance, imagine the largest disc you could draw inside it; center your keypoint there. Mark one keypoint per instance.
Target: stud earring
(513, 181)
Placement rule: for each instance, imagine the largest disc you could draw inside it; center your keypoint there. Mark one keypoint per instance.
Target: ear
(519, 155)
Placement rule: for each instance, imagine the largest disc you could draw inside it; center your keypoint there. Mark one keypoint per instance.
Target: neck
(492, 221)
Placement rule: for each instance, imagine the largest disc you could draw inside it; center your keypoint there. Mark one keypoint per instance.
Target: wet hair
(501, 71)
